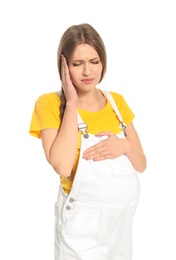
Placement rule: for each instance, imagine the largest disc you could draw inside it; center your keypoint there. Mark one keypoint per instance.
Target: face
(85, 67)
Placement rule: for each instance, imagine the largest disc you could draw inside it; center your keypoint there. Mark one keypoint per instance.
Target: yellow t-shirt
(46, 115)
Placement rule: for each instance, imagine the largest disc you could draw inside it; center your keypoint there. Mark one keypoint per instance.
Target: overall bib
(94, 221)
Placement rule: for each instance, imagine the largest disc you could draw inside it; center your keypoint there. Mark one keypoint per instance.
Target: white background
(140, 37)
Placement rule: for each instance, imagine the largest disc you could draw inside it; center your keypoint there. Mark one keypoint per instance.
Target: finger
(63, 69)
(106, 133)
(94, 149)
(96, 154)
(98, 157)
(66, 81)
(64, 66)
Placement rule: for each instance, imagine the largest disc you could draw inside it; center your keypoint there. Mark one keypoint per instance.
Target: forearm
(63, 150)
(136, 156)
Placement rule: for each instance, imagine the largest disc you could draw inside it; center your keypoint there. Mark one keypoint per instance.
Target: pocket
(85, 224)
(119, 167)
(69, 215)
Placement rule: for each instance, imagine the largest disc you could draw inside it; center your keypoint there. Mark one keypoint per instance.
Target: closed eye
(95, 62)
(76, 64)
(92, 61)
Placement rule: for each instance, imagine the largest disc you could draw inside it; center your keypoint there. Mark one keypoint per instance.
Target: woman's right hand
(68, 87)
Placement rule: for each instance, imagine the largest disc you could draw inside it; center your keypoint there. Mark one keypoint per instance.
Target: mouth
(87, 80)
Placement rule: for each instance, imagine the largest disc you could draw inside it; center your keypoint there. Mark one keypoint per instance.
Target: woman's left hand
(111, 147)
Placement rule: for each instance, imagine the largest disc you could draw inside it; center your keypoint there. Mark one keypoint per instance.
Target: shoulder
(50, 99)
(117, 96)
(45, 113)
(124, 108)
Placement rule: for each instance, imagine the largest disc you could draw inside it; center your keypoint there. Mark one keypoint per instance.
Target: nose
(86, 70)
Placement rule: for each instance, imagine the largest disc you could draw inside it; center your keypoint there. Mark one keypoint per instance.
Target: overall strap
(82, 126)
(113, 104)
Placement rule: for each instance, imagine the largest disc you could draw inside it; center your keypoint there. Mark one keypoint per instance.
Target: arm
(134, 150)
(114, 147)
(60, 145)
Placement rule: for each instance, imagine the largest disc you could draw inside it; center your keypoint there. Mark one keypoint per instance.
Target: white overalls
(94, 221)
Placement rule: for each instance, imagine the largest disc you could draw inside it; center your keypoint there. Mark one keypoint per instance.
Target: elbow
(60, 168)
(142, 167)
(63, 172)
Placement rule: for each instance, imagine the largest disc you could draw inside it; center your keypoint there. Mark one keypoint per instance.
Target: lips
(88, 81)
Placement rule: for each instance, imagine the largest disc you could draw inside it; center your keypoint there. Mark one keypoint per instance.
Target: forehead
(84, 51)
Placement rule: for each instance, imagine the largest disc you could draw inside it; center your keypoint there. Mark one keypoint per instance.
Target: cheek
(72, 76)
(99, 69)
(75, 74)
(99, 72)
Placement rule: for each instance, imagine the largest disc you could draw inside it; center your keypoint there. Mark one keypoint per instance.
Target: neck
(91, 101)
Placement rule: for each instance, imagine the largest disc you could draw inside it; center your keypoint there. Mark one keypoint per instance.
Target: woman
(89, 139)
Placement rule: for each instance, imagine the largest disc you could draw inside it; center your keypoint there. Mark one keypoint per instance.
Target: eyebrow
(97, 58)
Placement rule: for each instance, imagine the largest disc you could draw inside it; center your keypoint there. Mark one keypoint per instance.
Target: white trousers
(94, 222)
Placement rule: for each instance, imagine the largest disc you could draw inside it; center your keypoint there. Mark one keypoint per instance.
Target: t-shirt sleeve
(125, 111)
(45, 114)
